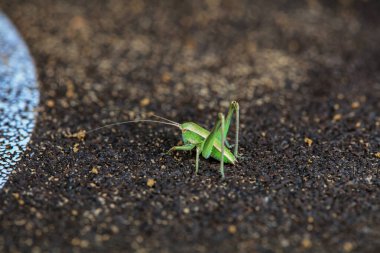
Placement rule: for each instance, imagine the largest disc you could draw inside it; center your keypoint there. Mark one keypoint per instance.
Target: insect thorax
(193, 133)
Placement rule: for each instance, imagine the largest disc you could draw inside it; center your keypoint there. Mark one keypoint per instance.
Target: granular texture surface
(306, 75)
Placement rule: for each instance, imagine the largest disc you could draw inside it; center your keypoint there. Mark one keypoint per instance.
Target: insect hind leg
(233, 109)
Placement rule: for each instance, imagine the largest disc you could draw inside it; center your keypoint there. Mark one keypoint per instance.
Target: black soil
(306, 75)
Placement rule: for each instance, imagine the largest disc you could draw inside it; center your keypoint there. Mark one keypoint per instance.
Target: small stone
(337, 117)
(70, 92)
(166, 77)
(20, 201)
(377, 154)
(84, 244)
(76, 147)
(114, 229)
(75, 242)
(348, 247)
(150, 182)
(50, 103)
(306, 243)
(81, 243)
(308, 141)
(186, 210)
(144, 102)
(78, 23)
(232, 229)
(355, 105)
(80, 135)
(94, 170)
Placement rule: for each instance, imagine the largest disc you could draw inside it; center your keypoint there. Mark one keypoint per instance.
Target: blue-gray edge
(19, 97)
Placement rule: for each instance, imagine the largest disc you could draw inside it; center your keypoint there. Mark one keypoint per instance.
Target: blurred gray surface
(18, 97)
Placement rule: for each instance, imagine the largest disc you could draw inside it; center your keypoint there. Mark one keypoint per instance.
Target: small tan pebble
(94, 170)
(232, 229)
(190, 44)
(50, 103)
(21, 222)
(80, 243)
(358, 124)
(337, 117)
(114, 229)
(355, 105)
(186, 210)
(201, 106)
(166, 77)
(308, 141)
(150, 182)
(74, 212)
(306, 243)
(348, 247)
(144, 102)
(310, 219)
(18, 198)
(76, 147)
(80, 135)
(84, 244)
(340, 96)
(78, 23)
(70, 89)
(377, 154)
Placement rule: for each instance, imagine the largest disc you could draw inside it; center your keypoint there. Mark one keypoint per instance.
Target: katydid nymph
(207, 143)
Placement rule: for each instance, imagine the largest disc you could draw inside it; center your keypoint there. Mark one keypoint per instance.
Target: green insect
(208, 143)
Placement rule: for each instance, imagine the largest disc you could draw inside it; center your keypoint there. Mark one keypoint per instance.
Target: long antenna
(135, 121)
(168, 120)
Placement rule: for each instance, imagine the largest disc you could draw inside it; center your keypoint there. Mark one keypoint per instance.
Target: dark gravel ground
(306, 74)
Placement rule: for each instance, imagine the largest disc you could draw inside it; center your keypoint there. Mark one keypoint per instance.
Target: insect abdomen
(228, 156)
